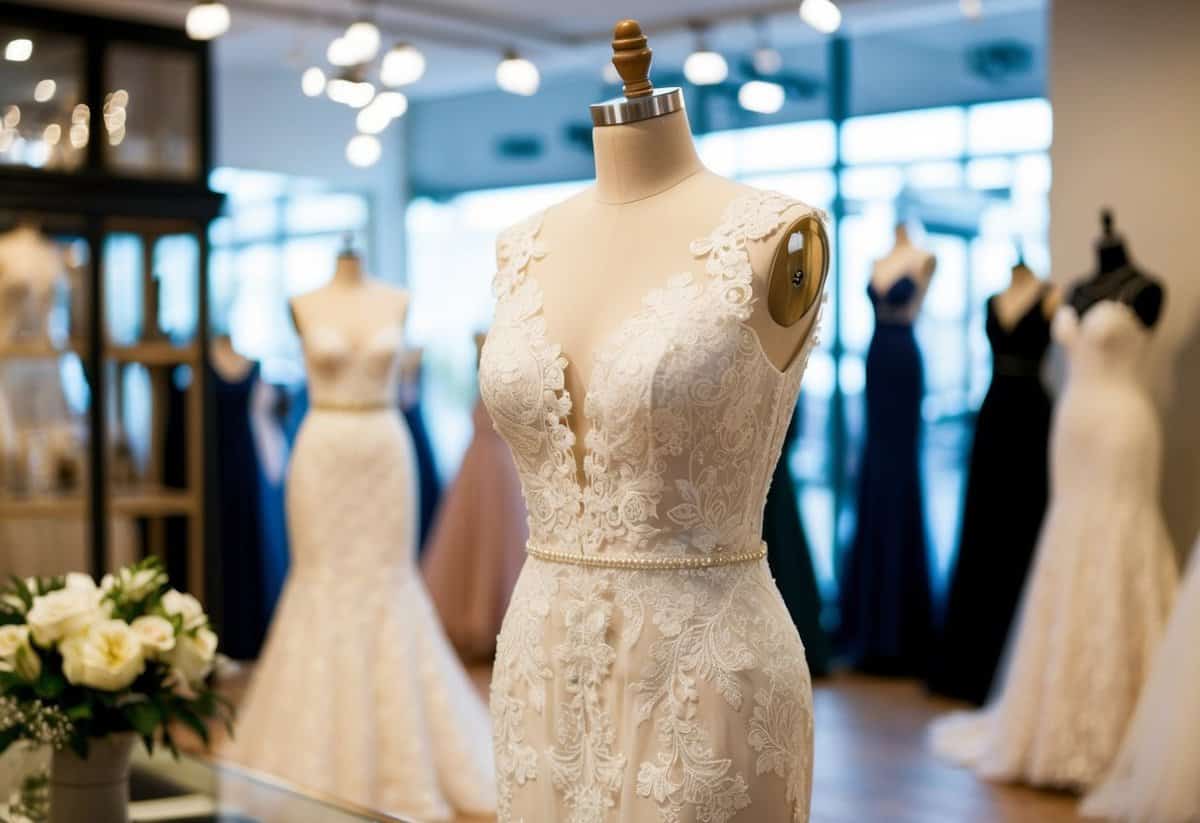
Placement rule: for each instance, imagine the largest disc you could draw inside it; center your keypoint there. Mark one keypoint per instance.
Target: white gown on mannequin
(358, 693)
(630, 693)
(1156, 778)
(1102, 580)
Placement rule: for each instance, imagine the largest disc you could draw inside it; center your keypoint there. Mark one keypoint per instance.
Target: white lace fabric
(638, 695)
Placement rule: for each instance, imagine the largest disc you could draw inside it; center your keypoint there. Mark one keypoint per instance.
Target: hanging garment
(1102, 579)
(791, 563)
(358, 693)
(429, 488)
(885, 599)
(1005, 502)
(478, 544)
(647, 668)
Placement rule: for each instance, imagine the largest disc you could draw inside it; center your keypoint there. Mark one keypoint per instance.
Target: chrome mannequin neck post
(620, 110)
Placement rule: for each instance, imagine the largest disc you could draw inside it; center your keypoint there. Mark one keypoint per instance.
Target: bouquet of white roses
(80, 661)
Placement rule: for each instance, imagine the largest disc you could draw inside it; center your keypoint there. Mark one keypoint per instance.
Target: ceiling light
(350, 91)
(516, 75)
(705, 68)
(207, 19)
(19, 50)
(52, 134)
(822, 15)
(393, 102)
(363, 150)
(312, 82)
(971, 8)
(373, 119)
(340, 52)
(362, 38)
(767, 61)
(761, 96)
(402, 65)
(44, 90)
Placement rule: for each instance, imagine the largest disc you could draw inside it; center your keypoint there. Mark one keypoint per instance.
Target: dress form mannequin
(631, 231)
(351, 303)
(226, 360)
(1117, 278)
(904, 259)
(1024, 289)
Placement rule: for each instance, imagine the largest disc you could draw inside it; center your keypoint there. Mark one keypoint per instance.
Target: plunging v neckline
(1020, 319)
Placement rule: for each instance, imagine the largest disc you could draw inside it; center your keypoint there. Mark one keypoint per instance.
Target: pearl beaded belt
(648, 561)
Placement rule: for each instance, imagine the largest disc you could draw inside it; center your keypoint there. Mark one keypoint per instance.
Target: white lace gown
(1102, 582)
(358, 693)
(628, 692)
(1156, 777)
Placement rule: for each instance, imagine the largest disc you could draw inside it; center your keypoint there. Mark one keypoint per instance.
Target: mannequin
(653, 197)
(904, 260)
(1117, 278)
(227, 361)
(1024, 289)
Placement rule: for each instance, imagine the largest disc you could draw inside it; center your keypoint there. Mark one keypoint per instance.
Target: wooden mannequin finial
(632, 58)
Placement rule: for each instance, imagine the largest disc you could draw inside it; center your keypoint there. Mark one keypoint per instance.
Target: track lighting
(822, 15)
(402, 65)
(761, 96)
(703, 66)
(18, 50)
(312, 82)
(363, 150)
(207, 20)
(516, 75)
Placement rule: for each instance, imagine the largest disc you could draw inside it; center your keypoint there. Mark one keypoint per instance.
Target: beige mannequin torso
(611, 245)
(352, 304)
(904, 260)
(1018, 298)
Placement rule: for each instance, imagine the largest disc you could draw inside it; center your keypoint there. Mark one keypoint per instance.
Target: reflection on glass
(150, 120)
(38, 96)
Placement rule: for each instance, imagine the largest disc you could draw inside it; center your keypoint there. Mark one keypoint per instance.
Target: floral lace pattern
(616, 692)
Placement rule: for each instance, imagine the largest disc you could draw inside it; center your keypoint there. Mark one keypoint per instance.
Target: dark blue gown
(885, 599)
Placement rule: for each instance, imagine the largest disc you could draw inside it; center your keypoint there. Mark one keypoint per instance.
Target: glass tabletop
(190, 789)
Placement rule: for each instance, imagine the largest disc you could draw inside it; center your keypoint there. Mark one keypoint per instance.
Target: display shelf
(153, 353)
(42, 506)
(153, 501)
(36, 349)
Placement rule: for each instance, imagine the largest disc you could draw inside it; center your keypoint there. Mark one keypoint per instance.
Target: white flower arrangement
(80, 661)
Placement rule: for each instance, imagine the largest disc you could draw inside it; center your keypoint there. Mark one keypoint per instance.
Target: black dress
(791, 564)
(1005, 502)
(885, 599)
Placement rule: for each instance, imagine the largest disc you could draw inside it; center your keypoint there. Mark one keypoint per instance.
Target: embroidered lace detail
(610, 684)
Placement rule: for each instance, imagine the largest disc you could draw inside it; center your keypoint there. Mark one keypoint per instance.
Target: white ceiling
(462, 38)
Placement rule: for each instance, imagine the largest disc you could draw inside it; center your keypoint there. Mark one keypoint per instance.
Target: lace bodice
(686, 412)
(1107, 341)
(344, 374)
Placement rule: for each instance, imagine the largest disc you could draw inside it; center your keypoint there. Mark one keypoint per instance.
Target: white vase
(95, 789)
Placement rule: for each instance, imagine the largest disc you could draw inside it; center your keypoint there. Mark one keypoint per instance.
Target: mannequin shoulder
(1148, 301)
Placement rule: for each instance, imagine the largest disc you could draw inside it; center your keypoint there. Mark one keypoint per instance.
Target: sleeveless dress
(1102, 580)
(358, 694)
(647, 668)
(1156, 777)
(885, 599)
(477, 545)
(1005, 502)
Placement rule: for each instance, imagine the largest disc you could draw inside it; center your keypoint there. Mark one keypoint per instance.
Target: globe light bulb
(312, 82)
(402, 65)
(516, 75)
(18, 50)
(363, 39)
(822, 15)
(363, 150)
(761, 96)
(207, 20)
(705, 68)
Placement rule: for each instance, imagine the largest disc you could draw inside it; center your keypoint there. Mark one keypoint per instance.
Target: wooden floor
(872, 764)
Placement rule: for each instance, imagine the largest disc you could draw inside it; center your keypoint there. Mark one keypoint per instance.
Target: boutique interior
(880, 508)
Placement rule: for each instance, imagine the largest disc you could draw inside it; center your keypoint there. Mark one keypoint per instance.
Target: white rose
(156, 633)
(138, 585)
(108, 583)
(12, 638)
(79, 580)
(185, 607)
(108, 657)
(16, 655)
(63, 613)
(28, 665)
(13, 603)
(193, 655)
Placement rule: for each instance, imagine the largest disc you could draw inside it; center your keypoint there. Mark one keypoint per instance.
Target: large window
(974, 178)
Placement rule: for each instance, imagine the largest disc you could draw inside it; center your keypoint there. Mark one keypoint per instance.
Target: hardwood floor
(872, 764)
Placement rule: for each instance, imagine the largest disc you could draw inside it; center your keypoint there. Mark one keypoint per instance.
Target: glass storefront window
(43, 122)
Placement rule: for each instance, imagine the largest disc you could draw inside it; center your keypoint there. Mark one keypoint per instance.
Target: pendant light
(362, 41)
(207, 20)
(703, 66)
(761, 96)
(350, 89)
(44, 90)
(403, 65)
(363, 150)
(312, 82)
(18, 50)
(822, 15)
(516, 75)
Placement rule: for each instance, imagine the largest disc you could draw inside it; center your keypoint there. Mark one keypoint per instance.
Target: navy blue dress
(885, 599)
(1006, 499)
(427, 476)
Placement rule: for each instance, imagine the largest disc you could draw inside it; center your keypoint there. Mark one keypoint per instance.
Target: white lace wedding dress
(647, 669)
(1102, 581)
(1156, 777)
(358, 693)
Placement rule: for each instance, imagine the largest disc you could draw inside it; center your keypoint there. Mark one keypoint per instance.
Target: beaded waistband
(648, 561)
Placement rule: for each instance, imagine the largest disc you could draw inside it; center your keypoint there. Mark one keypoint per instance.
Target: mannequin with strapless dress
(1104, 573)
(884, 592)
(358, 693)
